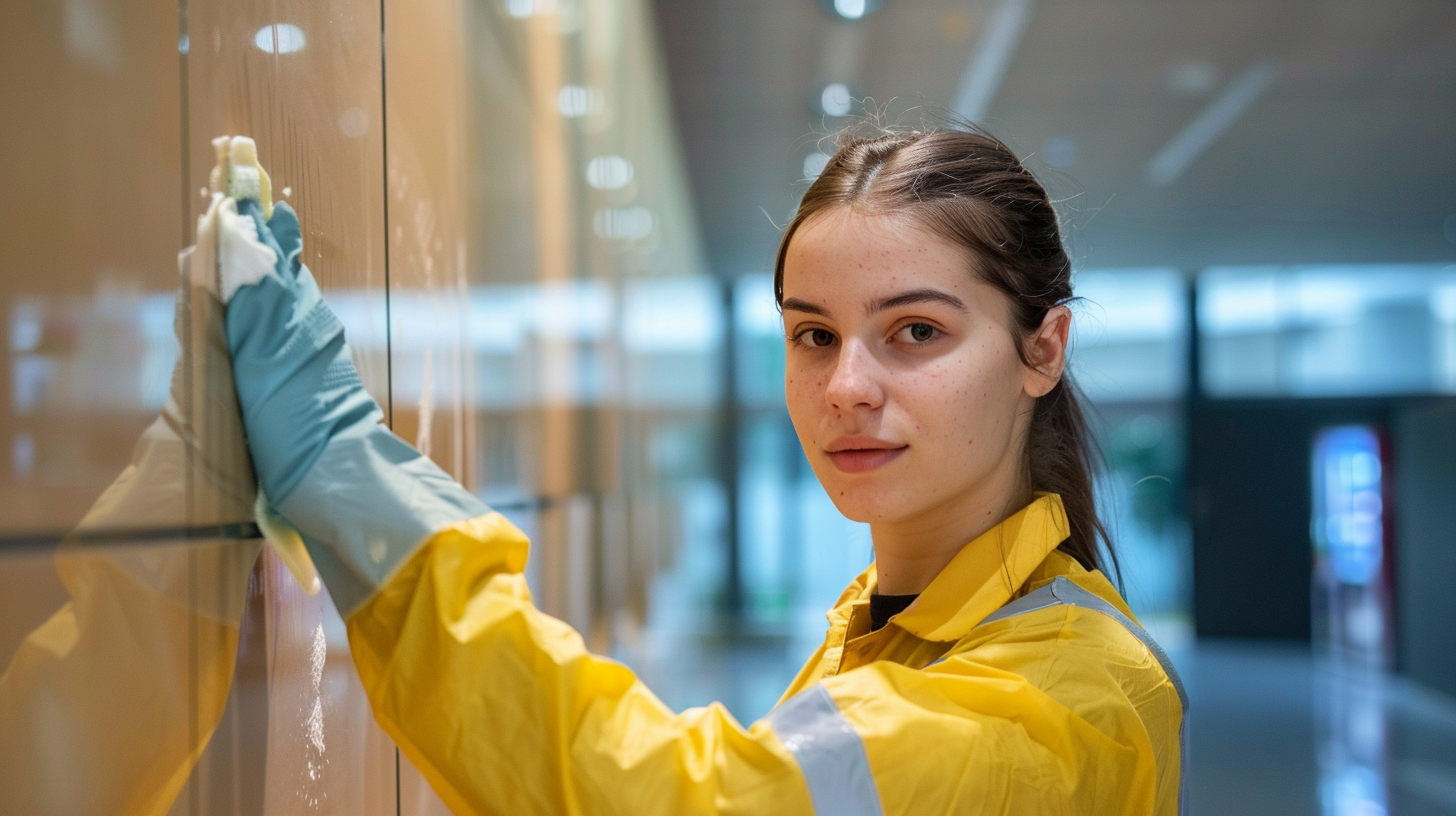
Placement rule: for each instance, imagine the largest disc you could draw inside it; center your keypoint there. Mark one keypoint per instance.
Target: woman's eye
(918, 332)
(817, 338)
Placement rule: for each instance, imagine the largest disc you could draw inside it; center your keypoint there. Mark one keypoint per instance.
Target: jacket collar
(983, 576)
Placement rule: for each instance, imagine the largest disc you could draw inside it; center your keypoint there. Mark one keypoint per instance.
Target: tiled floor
(1263, 717)
(1271, 725)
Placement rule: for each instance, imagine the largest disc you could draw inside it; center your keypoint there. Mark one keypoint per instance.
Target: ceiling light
(631, 223)
(836, 99)
(1205, 129)
(521, 9)
(578, 100)
(852, 9)
(608, 172)
(282, 38)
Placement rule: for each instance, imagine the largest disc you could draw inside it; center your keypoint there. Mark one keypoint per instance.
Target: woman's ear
(1046, 349)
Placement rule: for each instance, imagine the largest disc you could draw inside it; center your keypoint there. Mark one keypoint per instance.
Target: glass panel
(1327, 331)
(554, 334)
(305, 80)
(1130, 334)
(297, 735)
(1129, 356)
(496, 210)
(1140, 501)
(140, 640)
(119, 682)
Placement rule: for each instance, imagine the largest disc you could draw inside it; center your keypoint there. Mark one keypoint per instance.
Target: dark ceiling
(1297, 132)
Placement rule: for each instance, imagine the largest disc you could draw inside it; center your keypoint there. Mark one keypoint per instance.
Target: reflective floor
(1267, 719)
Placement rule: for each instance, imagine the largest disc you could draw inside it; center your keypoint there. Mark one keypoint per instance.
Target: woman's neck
(909, 553)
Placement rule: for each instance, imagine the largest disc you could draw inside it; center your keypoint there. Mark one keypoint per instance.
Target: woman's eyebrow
(796, 305)
(915, 296)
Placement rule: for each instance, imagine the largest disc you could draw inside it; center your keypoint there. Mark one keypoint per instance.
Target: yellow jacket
(1017, 683)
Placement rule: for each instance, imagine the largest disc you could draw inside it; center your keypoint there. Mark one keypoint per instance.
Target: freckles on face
(897, 351)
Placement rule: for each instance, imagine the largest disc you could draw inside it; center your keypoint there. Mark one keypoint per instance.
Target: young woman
(982, 664)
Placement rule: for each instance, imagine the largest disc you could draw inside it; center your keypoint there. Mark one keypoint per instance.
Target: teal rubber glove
(362, 498)
(295, 378)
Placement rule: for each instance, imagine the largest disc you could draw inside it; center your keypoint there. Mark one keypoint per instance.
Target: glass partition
(492, 200)
(1129, 356)
(1328, 330)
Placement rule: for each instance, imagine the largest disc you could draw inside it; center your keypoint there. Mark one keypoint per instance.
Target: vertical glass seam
(194, 792)
(384, 156)
(388, 317)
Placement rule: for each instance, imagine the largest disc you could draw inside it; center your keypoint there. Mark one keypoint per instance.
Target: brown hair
(969, 188)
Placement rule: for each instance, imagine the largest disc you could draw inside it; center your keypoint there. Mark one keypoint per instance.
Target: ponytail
(1060, 457)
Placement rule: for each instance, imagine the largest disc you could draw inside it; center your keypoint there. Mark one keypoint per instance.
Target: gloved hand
(363, 498)
(295, 377)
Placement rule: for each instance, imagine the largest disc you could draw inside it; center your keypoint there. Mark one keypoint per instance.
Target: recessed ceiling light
(836, 99)
(608, 172)
(521, 9)
(631, 223)
(579, 100)
(852, 9)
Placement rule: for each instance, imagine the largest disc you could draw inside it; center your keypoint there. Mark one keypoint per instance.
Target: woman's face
(903, 380)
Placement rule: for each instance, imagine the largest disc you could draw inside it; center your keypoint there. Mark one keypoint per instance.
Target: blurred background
(549, 228)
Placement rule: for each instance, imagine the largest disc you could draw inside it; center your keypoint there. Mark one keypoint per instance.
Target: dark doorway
(1249, 504)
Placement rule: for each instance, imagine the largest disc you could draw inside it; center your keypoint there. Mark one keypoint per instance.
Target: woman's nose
(855, 379)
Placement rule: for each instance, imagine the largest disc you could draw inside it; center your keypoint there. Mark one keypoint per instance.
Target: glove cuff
(367, 504)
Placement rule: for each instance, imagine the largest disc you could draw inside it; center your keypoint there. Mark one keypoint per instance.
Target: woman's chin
(867, 505)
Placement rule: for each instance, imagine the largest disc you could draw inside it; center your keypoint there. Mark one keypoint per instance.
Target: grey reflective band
(829, 752)
(1030, 602)
(1063, 592)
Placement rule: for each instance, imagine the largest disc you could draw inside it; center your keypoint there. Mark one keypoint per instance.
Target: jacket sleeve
(504, 711)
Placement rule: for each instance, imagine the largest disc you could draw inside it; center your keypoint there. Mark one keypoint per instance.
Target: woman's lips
(864, 460)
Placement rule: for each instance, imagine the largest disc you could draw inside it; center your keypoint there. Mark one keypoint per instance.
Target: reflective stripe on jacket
(1057, 704)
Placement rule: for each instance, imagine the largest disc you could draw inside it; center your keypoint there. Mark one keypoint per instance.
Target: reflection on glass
(110, 352)
(105, 706)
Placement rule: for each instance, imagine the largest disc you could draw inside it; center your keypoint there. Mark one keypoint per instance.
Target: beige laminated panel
(90, 218)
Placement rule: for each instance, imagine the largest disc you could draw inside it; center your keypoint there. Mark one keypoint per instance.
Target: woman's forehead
(846, 256)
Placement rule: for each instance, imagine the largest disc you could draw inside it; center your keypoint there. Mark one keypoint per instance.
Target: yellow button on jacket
(1017, 683)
